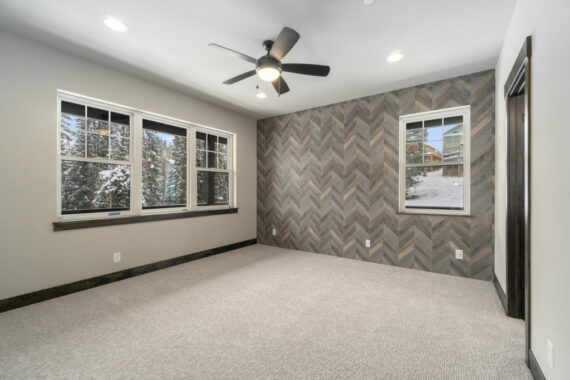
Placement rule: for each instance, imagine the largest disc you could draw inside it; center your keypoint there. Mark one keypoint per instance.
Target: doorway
(517, 96)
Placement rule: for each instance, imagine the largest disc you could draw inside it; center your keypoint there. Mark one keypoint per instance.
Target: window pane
(72, 121)
(91, 187)
(221, 188)
(453, 120)
(201, 158)
(119, 148)
(96, 113)
(223, 144)
(203, 184)
(415, 132)
(73, 108)
(433, 151)
(439, 187)
(212, 160)
(164, 169)
(453, 152)
(120, 130)
(414, 153)
(97, 145)
(119, 118)
(454, 139)
(97, 126)
(72, 143)
(200, 140)
(414, 125)
(212, 142)
(432, 123)
(222, 161)
(434, 133)
(213, 188)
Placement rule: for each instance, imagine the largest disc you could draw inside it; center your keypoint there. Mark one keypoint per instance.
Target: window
(95, 167)
(213, 176)
(115, 160)
(164, 161)
(434, 162)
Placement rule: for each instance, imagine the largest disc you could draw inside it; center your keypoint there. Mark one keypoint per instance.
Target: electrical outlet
(550, 353)
(367, 243)
(459, 254)
(116, 257)
(274, 232)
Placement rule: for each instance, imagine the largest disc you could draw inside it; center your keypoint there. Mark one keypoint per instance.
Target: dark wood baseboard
(500, 292)
(58, 291)
(534, 367)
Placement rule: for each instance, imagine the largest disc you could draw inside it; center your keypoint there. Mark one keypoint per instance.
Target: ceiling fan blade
(240, 77)
(280, 85)
(284, 42)
(307, 69)
(234, 53)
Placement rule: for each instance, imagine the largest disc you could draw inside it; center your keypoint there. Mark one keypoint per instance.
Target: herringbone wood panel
(328, 180)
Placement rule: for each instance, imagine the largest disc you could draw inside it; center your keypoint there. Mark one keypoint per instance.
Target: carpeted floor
(266, 312)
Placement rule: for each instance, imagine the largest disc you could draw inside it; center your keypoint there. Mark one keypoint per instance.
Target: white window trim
(135, 160)
(464, 111)
(231, 173)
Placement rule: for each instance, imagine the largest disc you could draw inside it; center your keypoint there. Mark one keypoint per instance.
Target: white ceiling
(167, 41)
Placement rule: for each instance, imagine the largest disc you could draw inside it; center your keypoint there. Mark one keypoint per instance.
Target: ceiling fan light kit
(269, 67)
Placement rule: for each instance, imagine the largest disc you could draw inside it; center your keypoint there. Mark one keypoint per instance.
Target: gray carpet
(266, 312)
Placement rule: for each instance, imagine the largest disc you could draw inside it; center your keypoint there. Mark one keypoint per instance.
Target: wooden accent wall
(328, 180)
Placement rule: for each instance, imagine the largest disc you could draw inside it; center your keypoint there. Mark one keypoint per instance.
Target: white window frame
(464, 111)
(139, 139)
(135, 160)
(230, 172)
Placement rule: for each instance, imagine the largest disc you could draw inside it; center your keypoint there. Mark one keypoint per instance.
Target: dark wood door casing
(516, 206)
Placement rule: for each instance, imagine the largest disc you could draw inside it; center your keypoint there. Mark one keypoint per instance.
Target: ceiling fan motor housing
(268, 44)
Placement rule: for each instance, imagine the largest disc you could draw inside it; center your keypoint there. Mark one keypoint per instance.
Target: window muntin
(164, 165)
(211, 151)
(99, 176)
(434, 162)
(212, 174)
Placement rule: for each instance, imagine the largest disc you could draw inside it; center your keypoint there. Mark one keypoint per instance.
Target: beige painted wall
(32, 256)
(547, 22)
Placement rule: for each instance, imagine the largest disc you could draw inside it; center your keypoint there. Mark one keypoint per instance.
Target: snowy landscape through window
(435, 169)
(115, 160)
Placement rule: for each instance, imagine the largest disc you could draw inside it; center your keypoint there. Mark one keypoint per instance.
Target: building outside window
(435, 162)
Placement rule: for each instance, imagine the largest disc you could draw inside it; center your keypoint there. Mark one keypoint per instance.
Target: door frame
(519, 78)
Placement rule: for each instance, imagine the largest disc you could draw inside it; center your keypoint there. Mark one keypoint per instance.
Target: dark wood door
(516, 206)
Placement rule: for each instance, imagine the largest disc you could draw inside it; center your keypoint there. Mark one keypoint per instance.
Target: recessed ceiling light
(115, 24)
(367, 2)
(395, 56)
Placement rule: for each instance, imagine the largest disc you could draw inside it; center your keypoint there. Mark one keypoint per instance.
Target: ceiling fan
(269, 67)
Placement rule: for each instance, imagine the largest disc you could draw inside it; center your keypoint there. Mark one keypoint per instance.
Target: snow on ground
(434, 190)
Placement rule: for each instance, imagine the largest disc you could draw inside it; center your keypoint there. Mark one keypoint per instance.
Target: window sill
(428, 212)
(90, 223)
